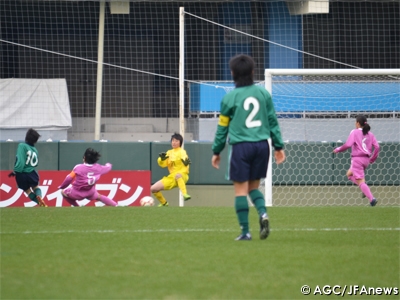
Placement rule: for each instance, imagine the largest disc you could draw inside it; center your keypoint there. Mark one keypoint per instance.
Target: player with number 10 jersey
(27, 159)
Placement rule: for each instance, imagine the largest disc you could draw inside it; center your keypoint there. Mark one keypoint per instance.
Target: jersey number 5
(250, 122)
(91, 178)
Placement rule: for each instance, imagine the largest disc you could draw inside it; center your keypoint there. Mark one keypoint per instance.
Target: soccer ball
(147, 201)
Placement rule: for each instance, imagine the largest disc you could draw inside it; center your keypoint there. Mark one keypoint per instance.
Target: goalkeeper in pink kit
(364, 151)
(83, 178)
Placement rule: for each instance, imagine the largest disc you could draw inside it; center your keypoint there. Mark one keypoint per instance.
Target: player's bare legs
(182, 186)
(241, 188)
(35, 194)
(31, 195)
(156, 191)
(363, 187)
(157, 187)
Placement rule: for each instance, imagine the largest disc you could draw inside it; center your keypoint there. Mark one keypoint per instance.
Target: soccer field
(190, 252)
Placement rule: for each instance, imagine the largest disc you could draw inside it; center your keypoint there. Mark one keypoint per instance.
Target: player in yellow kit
(178, 163)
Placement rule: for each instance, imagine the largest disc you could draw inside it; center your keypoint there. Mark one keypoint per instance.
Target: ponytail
(362, 120)
(366, 128)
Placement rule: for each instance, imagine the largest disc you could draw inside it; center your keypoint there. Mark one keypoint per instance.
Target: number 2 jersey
(84, 176)
(247, 115)
(27, 158)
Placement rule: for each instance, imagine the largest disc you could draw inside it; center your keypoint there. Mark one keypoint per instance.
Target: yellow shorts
(170, 182)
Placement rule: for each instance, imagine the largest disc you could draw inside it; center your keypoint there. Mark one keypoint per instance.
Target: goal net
(316, 103)
(137, 95)
(317, 110)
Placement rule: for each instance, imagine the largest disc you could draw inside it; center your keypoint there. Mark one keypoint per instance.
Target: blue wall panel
(330, 96)
(310, 97)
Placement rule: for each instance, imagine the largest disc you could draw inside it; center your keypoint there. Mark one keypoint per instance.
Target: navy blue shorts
(249, 161)
(27, 180)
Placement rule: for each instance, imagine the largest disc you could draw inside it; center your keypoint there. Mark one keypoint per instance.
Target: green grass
(190, 253)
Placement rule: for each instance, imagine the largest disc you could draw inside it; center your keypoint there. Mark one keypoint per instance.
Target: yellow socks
(160, 197)
(182, 185)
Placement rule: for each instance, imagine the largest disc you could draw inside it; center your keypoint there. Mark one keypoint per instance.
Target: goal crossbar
(349, 72)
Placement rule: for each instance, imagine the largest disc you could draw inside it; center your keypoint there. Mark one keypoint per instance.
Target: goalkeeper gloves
(12, 174)
(163, 155)
(186, 161)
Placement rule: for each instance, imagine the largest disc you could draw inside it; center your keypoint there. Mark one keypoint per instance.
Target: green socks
(38, 192)
(242, 212)
(258, 200)
(32, 196)
(242, 208)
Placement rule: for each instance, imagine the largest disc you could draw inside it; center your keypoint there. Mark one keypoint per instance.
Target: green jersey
(247, 115)
(27, 158)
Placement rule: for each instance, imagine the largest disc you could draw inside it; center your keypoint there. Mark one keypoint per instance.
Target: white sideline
(198, 230)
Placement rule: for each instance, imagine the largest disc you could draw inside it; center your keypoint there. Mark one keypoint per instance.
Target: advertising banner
(124, 187)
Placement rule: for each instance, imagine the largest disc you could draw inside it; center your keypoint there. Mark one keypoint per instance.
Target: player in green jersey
(26, 161)
(248, 119)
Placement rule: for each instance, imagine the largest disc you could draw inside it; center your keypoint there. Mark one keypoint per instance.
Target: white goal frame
(298, 72)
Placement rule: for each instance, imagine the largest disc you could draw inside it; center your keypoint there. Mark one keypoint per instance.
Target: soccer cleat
(40, 201)
(244, 237)
(186, 197)
(373, 202)
(165, 204)
(264, 226)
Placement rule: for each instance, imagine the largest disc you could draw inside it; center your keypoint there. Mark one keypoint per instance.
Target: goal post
(319, 100)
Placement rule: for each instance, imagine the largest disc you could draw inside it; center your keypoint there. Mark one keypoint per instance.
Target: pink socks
(367, 192)
(363, 187)
(104, 199)
(107, 201)
(70, 201)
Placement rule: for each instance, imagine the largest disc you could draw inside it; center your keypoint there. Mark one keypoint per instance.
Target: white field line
(195, 230)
